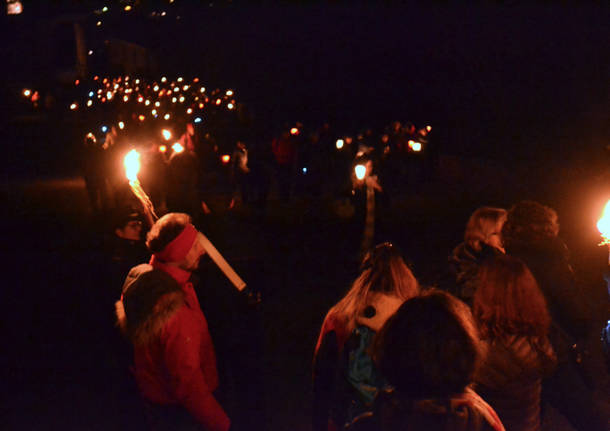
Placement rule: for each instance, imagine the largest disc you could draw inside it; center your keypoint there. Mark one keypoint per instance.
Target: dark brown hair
(429, 347)
(165, 230)
(508, 300)
(529, 221)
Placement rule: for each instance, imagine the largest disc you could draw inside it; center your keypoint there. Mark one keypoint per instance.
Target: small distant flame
(27, 92)
(603, 225)
(177, 147)
(360, 171)
(225, 158)
(121, 125)
(415, 146)
(340, 143)
(162, 148)
(167, 135)
(132, 165)
(294, 131)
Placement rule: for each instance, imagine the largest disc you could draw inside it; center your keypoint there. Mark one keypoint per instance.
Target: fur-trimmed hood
(380, 307)
(150, 298)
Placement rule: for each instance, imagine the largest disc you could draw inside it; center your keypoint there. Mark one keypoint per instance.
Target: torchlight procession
(238, 218)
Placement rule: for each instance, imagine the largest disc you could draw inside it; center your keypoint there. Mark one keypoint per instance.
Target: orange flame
(132, 165)
(603, 225)
(225, 158)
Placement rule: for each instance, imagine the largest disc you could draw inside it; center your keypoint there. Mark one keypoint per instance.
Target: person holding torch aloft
(174, 356)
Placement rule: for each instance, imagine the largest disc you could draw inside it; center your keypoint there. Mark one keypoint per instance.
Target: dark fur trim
(150, 298)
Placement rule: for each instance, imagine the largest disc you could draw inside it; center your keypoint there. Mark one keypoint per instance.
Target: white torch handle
(222, 263)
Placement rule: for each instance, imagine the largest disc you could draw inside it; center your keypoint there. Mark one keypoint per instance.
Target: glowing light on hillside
(340, 143)
(167, 135)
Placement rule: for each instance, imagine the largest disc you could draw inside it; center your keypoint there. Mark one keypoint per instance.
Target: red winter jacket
(179, 365)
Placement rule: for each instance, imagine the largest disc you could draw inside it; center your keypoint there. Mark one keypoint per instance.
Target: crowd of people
(496, 342)
(498, 339)
(184, 176)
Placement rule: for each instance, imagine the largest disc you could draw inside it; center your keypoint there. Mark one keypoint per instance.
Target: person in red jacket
(174, 357)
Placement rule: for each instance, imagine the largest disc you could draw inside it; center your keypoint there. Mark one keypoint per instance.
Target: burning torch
(132, 166)
(363, 175)
(603, 226)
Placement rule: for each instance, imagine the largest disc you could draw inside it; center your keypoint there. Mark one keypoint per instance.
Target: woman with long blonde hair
(384, 283)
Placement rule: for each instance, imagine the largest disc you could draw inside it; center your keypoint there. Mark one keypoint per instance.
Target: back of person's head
(483, 224)
(383, 270)
(529, 222)
(508, 300)
(429, 348)
(165, 230)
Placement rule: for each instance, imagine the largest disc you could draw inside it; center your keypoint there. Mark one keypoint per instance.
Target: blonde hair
(481, 224)
(383, 271)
